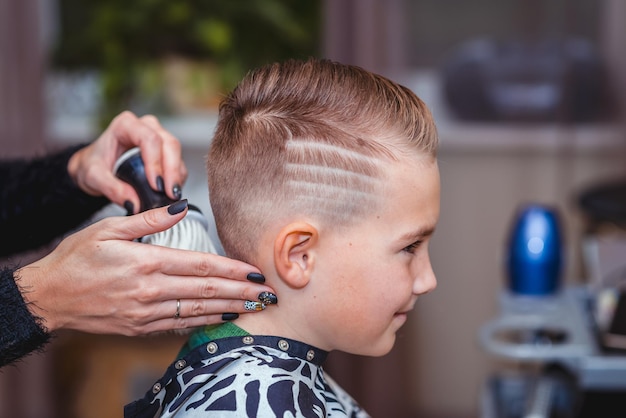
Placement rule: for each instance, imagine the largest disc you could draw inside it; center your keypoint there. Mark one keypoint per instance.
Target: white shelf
(566, 312)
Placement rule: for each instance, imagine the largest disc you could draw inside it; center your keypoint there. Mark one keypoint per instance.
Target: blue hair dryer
(534, 261)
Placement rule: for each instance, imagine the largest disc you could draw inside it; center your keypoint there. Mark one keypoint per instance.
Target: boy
(325, 177)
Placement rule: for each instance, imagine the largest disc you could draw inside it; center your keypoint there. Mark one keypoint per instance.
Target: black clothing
(21, 332)
(38, 202)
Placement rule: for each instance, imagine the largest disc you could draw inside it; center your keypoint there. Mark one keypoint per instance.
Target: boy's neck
(262, 323)
(279, 321)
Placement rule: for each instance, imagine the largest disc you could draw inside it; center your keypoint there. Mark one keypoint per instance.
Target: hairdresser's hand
(92, 167)
(99, 281)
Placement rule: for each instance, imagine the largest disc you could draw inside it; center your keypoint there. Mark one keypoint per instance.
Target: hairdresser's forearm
(22, 333)
(39, 202)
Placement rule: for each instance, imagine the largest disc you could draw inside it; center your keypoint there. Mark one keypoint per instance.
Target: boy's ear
(293, 253)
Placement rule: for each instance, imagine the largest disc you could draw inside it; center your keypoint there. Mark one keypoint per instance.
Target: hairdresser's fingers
(200, 264)
(187, 313)
(92, 173)
(172, 165)
(145, 223)
(194, 313)
(193, 308)
(131, 131)
(91, 167)
(190, 308)
(160, 150)
(208, 290)
(116, 190)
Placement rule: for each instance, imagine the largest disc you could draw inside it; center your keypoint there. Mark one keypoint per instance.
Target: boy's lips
(409, 309)
(402, 317)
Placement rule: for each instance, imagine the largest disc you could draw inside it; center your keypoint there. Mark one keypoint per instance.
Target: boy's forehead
(415, 182)
(413, 162)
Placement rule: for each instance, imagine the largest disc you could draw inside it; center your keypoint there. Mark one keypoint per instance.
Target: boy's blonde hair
(307, 138)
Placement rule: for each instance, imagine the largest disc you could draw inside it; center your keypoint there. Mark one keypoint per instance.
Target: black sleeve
(20, 332)
(39, 202)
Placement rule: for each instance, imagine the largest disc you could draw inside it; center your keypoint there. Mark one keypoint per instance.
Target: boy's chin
(381, 348)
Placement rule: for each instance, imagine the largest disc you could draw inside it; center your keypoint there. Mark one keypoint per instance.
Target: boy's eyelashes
(412, 247)
(418, 239)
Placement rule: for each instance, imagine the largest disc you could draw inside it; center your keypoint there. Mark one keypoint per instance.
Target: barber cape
(245, 375)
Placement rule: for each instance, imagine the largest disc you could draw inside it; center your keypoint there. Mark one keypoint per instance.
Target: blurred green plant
(127, 39)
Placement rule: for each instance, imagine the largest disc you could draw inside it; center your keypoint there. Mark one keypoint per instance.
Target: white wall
(487, 172)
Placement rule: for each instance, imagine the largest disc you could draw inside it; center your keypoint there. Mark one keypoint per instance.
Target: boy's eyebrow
(423, 232)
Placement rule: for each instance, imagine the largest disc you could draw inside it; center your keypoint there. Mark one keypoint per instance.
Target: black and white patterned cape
(247, 376)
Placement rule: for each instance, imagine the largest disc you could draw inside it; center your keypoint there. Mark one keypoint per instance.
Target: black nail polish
(177, 207)
(268, 298)
(130, 208)
(160, 184)
(256, 277)
(229, 316)
(177, 191)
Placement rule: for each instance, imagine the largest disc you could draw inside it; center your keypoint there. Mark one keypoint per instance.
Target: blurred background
(529, 99)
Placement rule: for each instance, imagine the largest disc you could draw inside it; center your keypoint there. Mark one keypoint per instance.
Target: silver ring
(177, 314)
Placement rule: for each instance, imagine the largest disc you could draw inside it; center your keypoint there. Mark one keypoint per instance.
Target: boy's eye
(411, 248)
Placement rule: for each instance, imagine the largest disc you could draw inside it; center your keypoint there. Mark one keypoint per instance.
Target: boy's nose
(425, 281)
